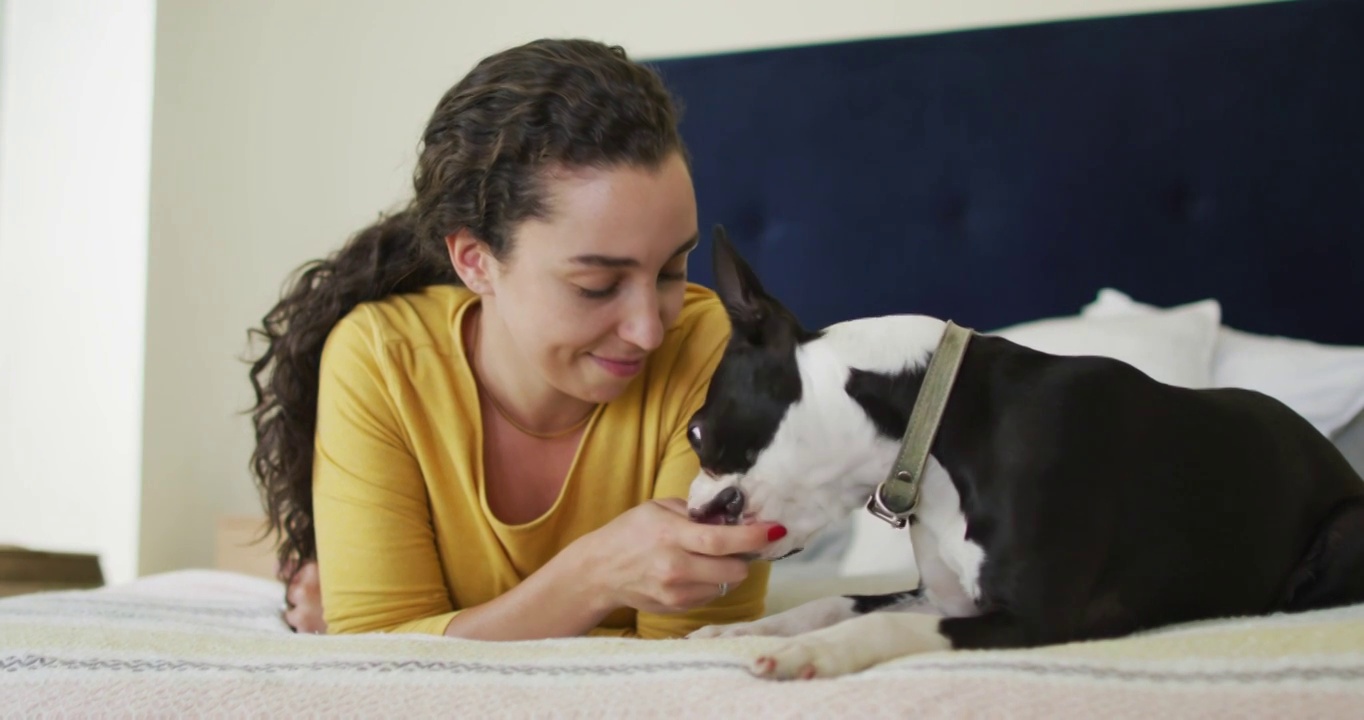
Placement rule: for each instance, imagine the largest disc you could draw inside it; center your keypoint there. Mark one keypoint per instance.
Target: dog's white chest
(949, 564)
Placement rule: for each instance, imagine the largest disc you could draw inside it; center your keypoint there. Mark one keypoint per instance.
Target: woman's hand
(304, 600)
(653, 558)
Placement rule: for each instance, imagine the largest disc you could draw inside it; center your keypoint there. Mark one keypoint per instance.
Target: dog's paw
(802, 659)
(852, 646)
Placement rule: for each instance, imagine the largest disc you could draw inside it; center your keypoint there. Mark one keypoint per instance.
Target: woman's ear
(473, 260)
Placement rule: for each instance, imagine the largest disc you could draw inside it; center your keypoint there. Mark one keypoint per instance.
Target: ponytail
(384, 259)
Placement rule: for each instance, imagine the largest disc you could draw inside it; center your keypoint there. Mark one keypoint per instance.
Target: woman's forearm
(555, 601)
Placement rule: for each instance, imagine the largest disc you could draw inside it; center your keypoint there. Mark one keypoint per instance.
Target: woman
(472, 419)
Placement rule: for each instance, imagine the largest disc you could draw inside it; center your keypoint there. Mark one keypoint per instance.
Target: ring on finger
(724, 589)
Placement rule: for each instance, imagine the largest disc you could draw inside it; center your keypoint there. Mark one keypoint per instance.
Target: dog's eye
(751, 456)
(694, 436)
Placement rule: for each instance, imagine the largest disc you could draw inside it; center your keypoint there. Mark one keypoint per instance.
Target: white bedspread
(212, 643)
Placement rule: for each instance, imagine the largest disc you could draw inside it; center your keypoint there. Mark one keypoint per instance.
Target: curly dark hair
(482, 160)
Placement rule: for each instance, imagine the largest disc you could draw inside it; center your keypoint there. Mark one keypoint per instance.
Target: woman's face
(587, 293)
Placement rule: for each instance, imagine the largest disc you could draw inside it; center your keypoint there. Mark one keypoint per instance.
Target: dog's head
(789, 431)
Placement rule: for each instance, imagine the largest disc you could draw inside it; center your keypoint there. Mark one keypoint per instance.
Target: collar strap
(896, 498)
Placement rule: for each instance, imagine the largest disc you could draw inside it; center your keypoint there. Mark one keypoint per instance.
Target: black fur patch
(863, 604)
(887, 397)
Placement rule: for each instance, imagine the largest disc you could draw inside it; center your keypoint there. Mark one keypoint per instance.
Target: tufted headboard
(1001, 175)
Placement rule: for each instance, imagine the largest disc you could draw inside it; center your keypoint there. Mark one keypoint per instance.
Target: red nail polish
(775, 533)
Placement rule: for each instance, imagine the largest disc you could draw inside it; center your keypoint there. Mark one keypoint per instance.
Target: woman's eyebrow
(612, 261)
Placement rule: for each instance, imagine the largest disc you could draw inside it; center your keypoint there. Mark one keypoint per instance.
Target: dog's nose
(726, 508)
(732, 500)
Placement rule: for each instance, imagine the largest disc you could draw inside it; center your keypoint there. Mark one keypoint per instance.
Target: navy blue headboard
(1000, 175)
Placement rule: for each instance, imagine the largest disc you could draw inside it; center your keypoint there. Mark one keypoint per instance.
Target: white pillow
(1173, 346)
(1323, 383)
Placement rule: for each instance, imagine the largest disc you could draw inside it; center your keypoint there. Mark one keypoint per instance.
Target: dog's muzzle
(726, 508)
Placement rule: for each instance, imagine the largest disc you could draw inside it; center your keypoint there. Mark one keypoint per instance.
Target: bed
(1179, 189)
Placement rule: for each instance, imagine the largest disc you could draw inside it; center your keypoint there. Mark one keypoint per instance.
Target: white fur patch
(949, 564)
(885, 344)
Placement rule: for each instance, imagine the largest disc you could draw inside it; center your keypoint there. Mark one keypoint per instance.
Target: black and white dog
(1065, 498)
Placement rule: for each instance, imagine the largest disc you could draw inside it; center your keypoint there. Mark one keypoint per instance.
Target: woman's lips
(619, 368)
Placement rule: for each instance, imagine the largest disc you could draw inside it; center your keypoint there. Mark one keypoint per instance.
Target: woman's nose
(643, 326)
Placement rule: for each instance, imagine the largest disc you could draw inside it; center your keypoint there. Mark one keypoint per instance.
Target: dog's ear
(737, 285)
(756, 317)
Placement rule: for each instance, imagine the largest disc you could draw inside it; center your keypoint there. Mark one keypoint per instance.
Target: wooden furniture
(25, 571)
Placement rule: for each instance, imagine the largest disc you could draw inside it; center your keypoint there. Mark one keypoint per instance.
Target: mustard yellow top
(404, 533)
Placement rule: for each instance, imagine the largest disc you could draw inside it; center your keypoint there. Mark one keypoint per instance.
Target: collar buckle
(876, 505)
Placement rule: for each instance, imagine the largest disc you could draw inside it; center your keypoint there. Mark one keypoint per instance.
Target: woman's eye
(595, 294)
(667, 276)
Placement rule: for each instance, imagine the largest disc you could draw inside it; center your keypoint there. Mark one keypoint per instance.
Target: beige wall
(282, 126)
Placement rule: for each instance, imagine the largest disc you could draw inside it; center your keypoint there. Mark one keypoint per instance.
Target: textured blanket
(210, 643)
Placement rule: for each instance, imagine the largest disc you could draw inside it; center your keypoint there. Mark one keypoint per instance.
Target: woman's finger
(718, 540)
